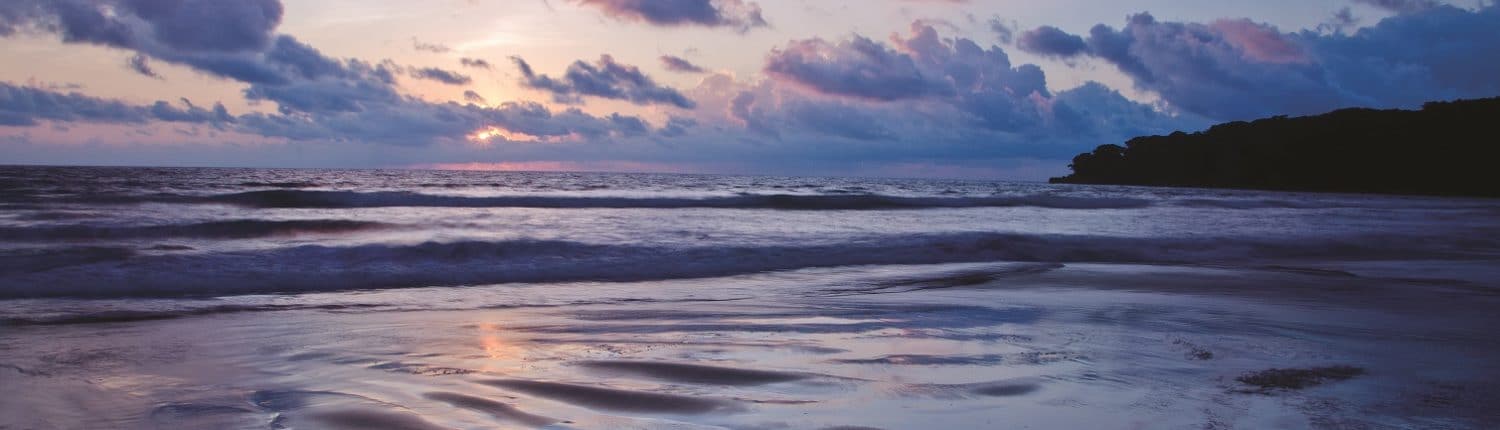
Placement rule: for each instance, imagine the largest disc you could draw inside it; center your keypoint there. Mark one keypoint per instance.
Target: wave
(351, 199)
(286, 197)
(40, 260)
(279, 184)
(233, 229)
(1389, 203)
(128, 315)
(435, 264)
(1248, 204)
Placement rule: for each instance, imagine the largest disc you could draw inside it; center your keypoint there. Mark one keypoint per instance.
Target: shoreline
(1104, 346)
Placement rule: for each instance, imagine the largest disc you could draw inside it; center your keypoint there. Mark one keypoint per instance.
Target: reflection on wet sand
(500, 411)
(695, 373)
(951, 357)
(611, 399)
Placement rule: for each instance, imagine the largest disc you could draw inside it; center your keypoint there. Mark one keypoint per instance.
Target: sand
(1075, 346)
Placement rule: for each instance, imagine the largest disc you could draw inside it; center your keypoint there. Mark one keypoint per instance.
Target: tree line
(1446, 148)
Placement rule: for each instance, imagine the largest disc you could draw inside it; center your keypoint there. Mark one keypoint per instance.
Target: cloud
(1402, 6)
(1004, 31)
(605, 78)
(932, 102)
(836, 118)
(436, 48)
(981, 83)
(742, 108)
(708, 13)
(139, 64)
(923, 96)
(28, 106)
(678, 64)
(440, 75)
(474, 63)
(1051, 41)
(317, 97)
(178, 25)
(677, 126)
(857, 67)
(473, 97)
(1240, 69)
(234, 40)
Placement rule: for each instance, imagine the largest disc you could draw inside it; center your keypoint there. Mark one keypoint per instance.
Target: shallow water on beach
(873, 347)
(211, 298)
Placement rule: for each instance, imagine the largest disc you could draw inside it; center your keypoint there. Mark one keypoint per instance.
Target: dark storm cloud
(475, 63)
(678, 64)
(440, 75)
(1239, 69)
(27, 106)
(1051, 41)
(604, 78)
(709, 13)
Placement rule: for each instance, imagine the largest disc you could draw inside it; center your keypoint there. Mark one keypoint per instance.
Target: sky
(997, 89)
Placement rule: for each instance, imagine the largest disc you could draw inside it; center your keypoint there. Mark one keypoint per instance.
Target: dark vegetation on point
(1447, 148)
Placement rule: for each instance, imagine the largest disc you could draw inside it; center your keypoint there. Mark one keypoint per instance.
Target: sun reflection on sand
(501, 352)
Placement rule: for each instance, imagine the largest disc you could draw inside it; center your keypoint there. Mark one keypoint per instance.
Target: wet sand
(955, 346)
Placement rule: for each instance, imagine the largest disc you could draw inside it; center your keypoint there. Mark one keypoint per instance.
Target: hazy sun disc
(488, 135)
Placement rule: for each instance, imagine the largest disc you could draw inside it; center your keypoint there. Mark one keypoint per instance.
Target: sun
(489, 134)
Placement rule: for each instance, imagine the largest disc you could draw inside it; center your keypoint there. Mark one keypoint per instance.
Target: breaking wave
(317, 268)
(320, 199)
(233, 229)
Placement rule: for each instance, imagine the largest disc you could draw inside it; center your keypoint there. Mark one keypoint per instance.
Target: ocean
(304, 298)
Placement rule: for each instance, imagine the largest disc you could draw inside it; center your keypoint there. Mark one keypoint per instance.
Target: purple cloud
(1239, 69)
(440, 75)
(436, 48)
(317, 97)
(678, 64)
(140, 64)
(858, 67)
(1004, 31)
(605, 78)
(949, 93)
(180, 25)
(1402, 6)
(474, 63)
(1051, 41)
(709, 13)
(473, 97)
(28, 106)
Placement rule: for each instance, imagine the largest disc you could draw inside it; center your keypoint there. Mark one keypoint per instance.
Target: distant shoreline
(1445, 149)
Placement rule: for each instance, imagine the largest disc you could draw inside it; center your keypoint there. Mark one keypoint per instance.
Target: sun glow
(489, 134)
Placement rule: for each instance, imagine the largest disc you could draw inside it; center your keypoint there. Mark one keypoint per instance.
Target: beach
(246, 298)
